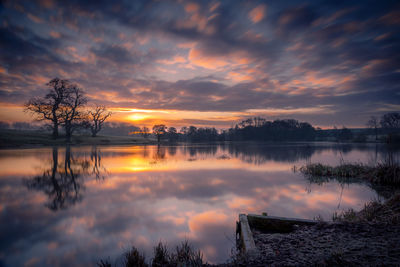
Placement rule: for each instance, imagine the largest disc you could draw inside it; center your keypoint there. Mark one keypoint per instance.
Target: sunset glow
(206, 63)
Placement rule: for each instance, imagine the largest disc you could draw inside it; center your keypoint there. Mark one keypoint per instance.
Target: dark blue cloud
(117, 46)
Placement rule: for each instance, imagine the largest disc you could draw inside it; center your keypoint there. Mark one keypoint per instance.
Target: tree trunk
(55, 122)
(94, 132)
(68, 133)
(55, 129)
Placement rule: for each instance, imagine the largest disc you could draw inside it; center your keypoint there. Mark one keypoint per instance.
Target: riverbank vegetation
(183, 255)
(373, 212)
(384, 173)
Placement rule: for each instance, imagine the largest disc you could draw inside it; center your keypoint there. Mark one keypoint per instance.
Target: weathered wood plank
(246, 236)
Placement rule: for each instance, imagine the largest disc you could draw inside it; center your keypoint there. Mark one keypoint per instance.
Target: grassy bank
(18, 138)
(387, 213)
(183, 255)
(387, 173)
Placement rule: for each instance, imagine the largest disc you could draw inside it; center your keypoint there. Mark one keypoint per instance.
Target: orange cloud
(55, 34)
(196, 57)
(175, 60)
(257, 13)
(199, 58)
(192, 7)
(2, 70)
(46, 3)
(214, 6)
(239, 77)
(203, 220)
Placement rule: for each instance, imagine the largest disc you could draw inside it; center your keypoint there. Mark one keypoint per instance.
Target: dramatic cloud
(201, 57)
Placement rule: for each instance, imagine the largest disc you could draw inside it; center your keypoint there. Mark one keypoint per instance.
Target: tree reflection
(63, 182)
(99, 171)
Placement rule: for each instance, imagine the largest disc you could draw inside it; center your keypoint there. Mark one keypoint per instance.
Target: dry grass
(184, 255)
(382, 173)
(375, 211)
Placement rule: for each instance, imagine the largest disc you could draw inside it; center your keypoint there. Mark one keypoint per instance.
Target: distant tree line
(65, 105)
(260, 129)
(256, 129)
(388, 125)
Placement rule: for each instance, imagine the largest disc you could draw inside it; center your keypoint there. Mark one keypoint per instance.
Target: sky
(206, 63)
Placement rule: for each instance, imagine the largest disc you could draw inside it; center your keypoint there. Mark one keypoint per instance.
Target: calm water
(64, 206)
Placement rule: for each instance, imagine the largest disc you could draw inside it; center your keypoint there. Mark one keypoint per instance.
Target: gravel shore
(330, 244)
(370, 237)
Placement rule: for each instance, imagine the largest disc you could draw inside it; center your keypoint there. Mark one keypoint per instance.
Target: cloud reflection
(127, 207)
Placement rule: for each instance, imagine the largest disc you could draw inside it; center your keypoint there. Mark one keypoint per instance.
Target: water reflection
(109, 198)
(98, 170)
(63, 181)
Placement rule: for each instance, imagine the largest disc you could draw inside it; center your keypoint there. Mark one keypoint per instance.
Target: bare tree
(72, 114)
(97, 117)
(391, 120)
(159, 130)
(47, 108)
(374, 124)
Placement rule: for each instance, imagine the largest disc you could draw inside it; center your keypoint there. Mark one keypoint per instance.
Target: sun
(137, 117)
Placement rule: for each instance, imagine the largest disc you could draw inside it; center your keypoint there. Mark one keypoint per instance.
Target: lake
(77, 205)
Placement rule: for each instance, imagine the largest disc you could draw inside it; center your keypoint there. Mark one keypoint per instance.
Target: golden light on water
(182, 192)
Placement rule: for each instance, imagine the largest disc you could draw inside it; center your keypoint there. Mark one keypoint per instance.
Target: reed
(384, 173)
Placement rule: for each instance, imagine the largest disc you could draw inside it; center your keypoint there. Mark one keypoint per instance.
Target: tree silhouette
(47, 108)
(145, 132)
(97, 117)
(62, 105)
(172, 134)
(159, 130)
(72, 114)
(374, 124)
(391, 121)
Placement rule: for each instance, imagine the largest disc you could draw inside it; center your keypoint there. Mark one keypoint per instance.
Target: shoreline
(19, 139)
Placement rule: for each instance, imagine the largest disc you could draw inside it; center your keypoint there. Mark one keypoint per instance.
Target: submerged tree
(159, 130)
(47, 108)
(97, 117)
